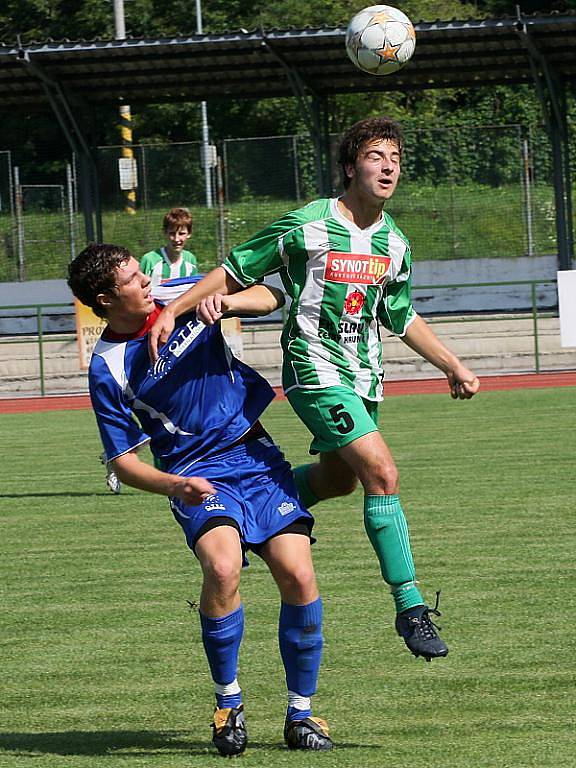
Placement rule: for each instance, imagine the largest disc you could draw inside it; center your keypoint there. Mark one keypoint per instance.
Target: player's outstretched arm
(422, 339)
(132, 471)
(217, 281)
(255, 301)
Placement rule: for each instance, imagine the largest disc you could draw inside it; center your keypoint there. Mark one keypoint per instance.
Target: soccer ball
(380, 40)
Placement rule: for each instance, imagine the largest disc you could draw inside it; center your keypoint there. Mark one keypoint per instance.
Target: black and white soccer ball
(380, 40)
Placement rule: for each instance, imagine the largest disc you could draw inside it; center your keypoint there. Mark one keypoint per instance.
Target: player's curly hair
(370, 129)
(93, 272)
(176, 218)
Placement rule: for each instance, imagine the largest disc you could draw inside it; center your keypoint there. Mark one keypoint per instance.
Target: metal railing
(533, 298)
(40, 339)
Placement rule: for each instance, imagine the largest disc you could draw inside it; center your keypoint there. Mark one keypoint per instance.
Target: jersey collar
(166, 258)
(109, 335)
(350, 226)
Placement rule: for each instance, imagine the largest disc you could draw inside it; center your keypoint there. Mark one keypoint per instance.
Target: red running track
(405, 387)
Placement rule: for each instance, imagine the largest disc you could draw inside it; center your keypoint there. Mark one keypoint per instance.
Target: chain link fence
(167, 175)
(465, 193)
(39, 224)
(476, 192)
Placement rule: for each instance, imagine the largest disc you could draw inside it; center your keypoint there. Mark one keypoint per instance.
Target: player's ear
(349, 170)
(104, 300)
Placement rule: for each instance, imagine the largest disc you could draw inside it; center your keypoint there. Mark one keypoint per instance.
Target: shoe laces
(426, 626)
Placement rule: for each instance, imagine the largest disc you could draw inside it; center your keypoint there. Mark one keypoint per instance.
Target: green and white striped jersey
(342, 280)
(160, 268)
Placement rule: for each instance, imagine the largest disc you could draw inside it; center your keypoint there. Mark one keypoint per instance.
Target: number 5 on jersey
(343, 422)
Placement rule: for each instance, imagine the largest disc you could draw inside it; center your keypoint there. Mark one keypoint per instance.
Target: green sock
(388, 533)
(407, 596)
(306, 494)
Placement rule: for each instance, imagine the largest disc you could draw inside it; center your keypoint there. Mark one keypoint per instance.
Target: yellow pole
(125, 126)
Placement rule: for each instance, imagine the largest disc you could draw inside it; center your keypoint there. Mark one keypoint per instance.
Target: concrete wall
(484, 298)
(426, 301)
(19, 321)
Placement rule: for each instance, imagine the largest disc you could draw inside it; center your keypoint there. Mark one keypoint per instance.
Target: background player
(347, 267)
(230, 488)
(171, 260)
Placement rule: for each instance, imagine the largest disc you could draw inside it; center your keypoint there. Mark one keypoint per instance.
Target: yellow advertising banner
(232, 332)
(88, 329)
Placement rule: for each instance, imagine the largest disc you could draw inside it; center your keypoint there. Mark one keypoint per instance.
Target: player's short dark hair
(176, 218)
(370, 129)
(93, 272)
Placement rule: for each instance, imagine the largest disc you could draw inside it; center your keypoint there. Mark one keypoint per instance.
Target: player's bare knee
(384, 479)
(223, 575)
(297, 584)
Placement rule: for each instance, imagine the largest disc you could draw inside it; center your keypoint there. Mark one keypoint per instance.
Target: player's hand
(193, 490)
(463, 383)
(212, 308)
(160, 332)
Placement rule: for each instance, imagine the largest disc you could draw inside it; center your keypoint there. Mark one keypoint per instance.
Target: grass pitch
(102, 663)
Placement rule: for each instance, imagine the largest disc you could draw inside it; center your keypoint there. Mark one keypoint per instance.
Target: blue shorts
(255, 491)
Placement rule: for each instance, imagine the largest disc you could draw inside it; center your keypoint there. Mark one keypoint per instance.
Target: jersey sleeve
(118, 429)
(174, 288)
(263, 254)
(147, 262)
(395, 310)
(191, 259)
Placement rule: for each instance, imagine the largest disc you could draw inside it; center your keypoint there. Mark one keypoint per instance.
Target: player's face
(375, 173)
(132, 297)
(177, 238)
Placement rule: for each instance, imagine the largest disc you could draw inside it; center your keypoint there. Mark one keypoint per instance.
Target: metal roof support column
(563, 215)
(314, 110)
(59, 103)
(562, 181)
(93, 172)
(551, 93)
(320, 108)
(567, 178)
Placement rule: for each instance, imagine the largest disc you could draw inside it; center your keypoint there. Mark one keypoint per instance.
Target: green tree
(37, 140)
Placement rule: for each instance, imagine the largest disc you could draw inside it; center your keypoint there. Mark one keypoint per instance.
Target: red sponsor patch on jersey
(361, 268)
(354, 303)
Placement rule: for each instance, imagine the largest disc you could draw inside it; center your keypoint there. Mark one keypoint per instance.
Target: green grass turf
(102, 664)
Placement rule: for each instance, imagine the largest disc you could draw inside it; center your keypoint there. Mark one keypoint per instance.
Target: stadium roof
(261, 64)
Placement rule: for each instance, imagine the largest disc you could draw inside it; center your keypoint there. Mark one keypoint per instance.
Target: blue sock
(222, 637)
(292, 713)
(300, 639)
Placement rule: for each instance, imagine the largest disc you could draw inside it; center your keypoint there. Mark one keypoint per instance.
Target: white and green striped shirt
(342, 280)
(160, 268)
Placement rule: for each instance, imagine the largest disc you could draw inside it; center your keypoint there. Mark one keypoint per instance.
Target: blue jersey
(196, 399)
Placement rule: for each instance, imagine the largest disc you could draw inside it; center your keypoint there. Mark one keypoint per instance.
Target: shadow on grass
(134, 743)
(101, 742)
(61, 494)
